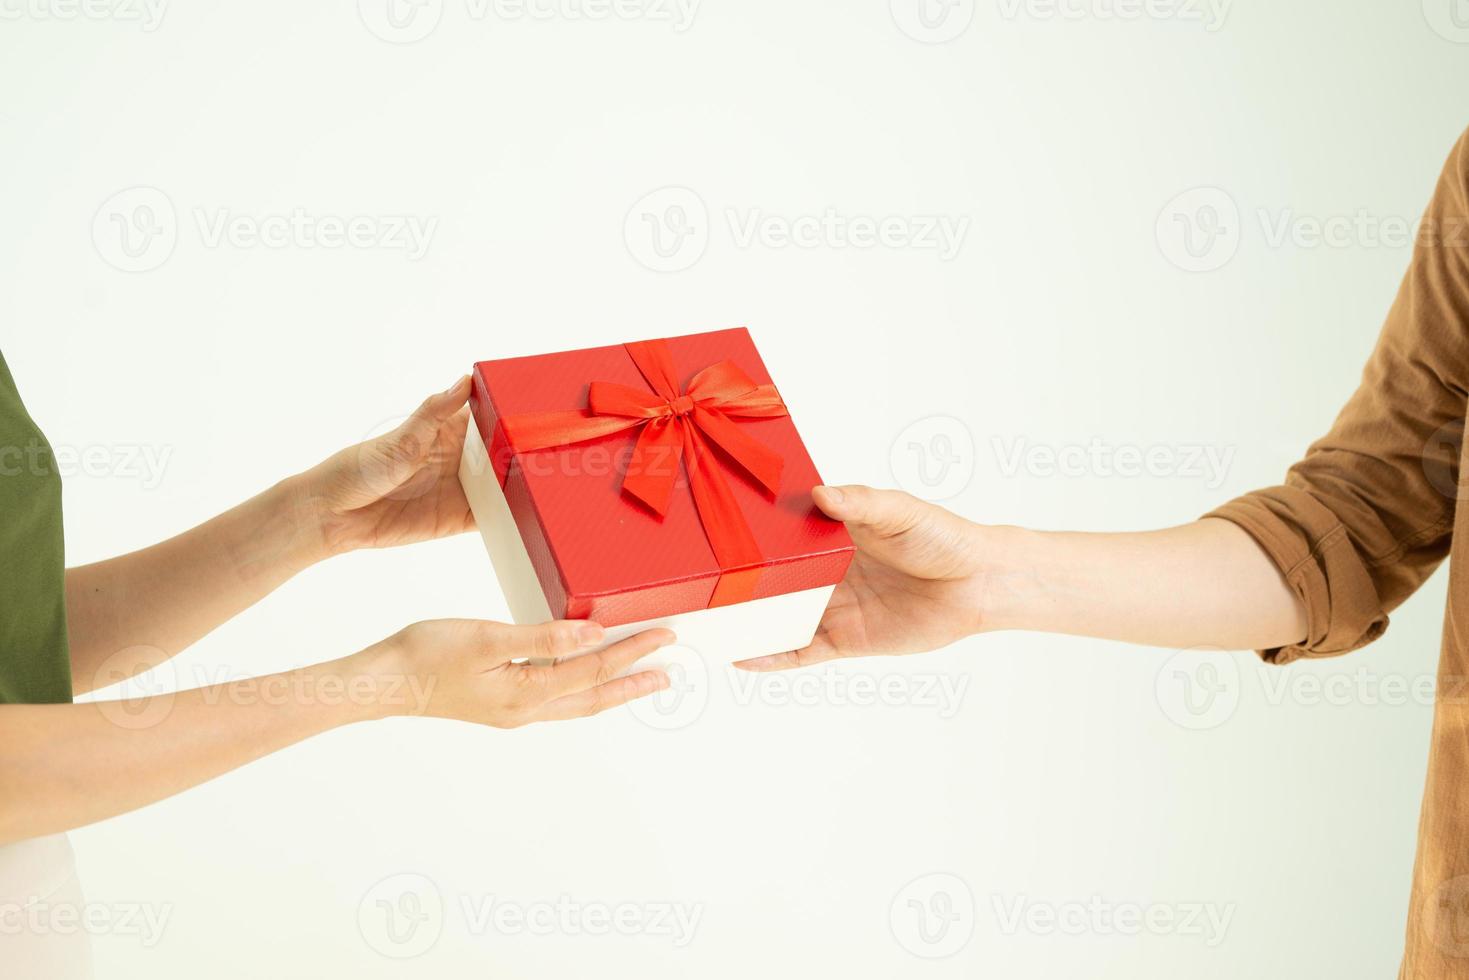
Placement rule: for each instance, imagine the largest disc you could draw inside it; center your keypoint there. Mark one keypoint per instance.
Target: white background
(1068, 772)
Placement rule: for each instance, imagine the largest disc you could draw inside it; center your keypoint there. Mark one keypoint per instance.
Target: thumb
(868, 512)
(911, 535)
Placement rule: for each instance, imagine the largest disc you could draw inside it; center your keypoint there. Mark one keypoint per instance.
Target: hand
(464, 669)
(398, 488)
(910, 588)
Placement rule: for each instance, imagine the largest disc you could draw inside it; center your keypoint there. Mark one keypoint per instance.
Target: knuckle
(554, 640)
(607, 670)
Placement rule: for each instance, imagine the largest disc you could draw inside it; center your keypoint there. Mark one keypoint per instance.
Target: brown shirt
(1368, 515)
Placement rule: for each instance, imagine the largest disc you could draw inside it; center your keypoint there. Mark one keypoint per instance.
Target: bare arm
(1205, 583)
(152, 604)
(924, 577)
(156, 602)
(65, 765)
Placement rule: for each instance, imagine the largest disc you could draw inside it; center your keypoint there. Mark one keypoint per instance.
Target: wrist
(1007, 584)
(300, 511)
(387, 689)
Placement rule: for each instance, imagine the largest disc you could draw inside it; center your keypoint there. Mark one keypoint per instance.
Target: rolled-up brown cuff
(1315, 554)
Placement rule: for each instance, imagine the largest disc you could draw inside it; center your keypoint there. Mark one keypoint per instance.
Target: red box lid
(602, 554)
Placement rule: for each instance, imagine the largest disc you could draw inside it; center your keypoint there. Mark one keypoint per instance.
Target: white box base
(721, 635)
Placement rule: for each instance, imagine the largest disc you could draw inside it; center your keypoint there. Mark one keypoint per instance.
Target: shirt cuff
(1314, 552)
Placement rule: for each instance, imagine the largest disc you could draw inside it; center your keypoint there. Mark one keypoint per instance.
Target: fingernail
(589, 634)
(836, 495)
(457, 382)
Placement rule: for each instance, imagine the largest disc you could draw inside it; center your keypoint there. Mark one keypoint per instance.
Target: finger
(597, 700)
(592, 669)
(441, 406)
(881, 513)
(545, 641)
(412, 440)
(819, 651)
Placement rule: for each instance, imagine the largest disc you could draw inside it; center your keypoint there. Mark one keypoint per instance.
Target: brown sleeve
(1368, 515)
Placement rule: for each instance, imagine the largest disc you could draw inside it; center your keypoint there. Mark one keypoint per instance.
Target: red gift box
(655, 478)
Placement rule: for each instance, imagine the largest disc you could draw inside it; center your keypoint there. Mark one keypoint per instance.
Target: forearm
(1203, 584)
(65, 765)
(164, 598)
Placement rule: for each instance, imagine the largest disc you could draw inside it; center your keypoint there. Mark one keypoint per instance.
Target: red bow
(677, 426)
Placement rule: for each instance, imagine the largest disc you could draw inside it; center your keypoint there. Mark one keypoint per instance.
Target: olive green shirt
(34, 664)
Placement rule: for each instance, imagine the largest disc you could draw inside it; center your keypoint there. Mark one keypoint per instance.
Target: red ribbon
(677, 426)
